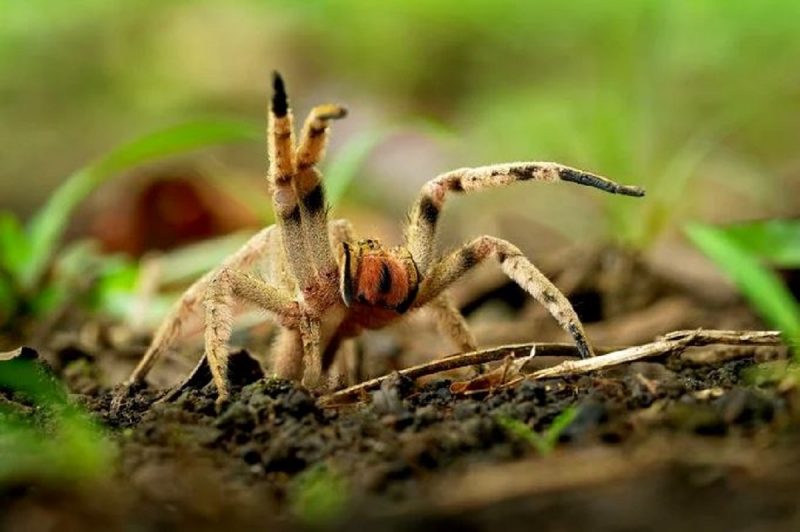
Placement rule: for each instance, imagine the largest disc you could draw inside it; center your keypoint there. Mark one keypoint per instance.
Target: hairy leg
(314, 220)
(287, 361)
(299, 201)
(451, 323)
(290, 355)
(253, 251)
(281, 176)
(296, 354)
(309, 189)
(421, 231)
(312, 359)
(299, 196)
(314, 136)
(226, 285)
(514, 264)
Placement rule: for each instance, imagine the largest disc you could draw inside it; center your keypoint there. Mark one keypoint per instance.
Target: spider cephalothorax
(323, 286)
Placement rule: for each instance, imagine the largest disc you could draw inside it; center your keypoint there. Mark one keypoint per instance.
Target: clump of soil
(647, 440)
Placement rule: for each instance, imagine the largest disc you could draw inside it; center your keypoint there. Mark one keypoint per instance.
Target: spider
(324, 287)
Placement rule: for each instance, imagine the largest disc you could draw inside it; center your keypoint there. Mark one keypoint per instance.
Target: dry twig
(670, 344)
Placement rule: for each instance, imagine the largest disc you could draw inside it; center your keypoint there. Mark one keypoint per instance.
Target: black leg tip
(280, 102)
(584, 351)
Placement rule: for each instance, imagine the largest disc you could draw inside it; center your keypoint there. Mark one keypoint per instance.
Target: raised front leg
(282, 176)
(421, 230)
(314, 137)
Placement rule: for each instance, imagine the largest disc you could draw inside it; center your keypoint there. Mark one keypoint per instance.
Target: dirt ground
(704, 440)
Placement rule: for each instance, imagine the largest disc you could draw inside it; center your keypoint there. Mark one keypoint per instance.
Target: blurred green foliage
(775, 242)
(682, 97)
(747, 253)
(696, 101)
(27, 252)
(318, 495)
(43, 435)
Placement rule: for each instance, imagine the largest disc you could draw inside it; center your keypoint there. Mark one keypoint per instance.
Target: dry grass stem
(669, 344)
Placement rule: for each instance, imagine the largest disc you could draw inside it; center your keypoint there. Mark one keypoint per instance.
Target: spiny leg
(309, 189)
(312, 358)
(421, 231)
(287, 359)
(226, 285)
(451, 322)
(314, 136)
(292, 348)
(171, 326)
(514, 264)
(314, 220)
(296, 353)
(282, 173)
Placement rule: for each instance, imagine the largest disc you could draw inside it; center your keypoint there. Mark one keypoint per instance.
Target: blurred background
(699, 102)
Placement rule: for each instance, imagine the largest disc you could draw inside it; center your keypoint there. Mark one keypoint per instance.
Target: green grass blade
(48, 224)
(14, 247)
(543, 443)
(775, 241)
(758, 284)
(559, 425)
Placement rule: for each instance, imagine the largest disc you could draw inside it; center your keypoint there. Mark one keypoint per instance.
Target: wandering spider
(323, 286)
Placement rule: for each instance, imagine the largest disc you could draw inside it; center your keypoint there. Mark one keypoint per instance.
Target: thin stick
(672, 343)
(713, 336)
(457, 361)
(575, 367)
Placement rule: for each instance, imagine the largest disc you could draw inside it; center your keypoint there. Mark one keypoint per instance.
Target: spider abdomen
(382, 281)
(378, 277)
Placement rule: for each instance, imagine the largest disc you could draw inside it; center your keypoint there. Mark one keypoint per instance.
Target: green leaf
(49, 223)
(775, 241)
(32, 380)
(14, 247)
(114, 292)
(761, 286)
